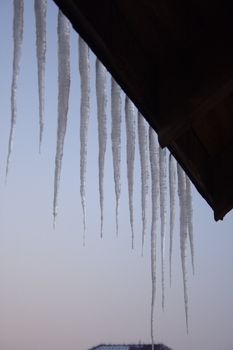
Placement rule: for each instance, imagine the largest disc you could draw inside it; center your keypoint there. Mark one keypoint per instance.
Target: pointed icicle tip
(40, 10)
(172, 193)
(117, 214)
(54, 221)
(116, 140)
(17, 51)
(130, 122)
(84, 71)
(63, 31)
(143, 153)
(163, 197)
(190, 219)
(183, 233)
(154, 164)
(84, 240)
(101, 96)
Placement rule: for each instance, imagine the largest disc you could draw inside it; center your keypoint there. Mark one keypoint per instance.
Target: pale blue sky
(54, 293)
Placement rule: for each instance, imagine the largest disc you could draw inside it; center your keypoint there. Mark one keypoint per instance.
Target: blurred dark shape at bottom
(148, 347)
(131, 347)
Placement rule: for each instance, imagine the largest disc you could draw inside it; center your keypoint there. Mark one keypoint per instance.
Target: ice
(172, 192)
(63, 31)
(190, 218)
(163, 193)
(154, 163)
(18, 41)
(130, 122)
(183, 232)
(84, 70)
(101, 95)
(40, 7)
(116, 140)
(143, 151)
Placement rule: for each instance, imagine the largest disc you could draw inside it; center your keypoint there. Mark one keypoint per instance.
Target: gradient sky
(56, 294)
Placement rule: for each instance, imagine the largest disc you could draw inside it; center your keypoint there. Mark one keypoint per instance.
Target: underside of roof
(174, 59)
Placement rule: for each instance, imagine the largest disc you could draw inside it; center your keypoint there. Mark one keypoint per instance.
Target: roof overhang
(174, 59)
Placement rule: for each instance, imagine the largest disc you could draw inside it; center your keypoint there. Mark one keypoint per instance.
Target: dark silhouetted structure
(130, 347)
(174, 59)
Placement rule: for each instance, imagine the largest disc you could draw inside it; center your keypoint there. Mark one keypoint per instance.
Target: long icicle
(130, 120)
(63, 31)
(183, 233)
(101, 95)
(40, 8)
(154, 162)
(190, 219)
(143, 151)
(116, 140)
(84, 70)
(163, 193)
(172, 192)
(18, 41)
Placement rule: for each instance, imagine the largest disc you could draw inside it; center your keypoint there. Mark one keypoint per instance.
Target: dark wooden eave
(174, 59)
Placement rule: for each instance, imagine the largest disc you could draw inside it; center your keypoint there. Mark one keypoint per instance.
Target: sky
(56, 294)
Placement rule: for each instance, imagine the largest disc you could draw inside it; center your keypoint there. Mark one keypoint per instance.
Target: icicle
(101, 95)
(130, 119)
(116, 140)
(172, 192)
(143, 151)
(190, 218)
(154, 162)
(163, 192)
(84, 69)
(40, 7)
(183, 233)
(18, 41)
(63, 31)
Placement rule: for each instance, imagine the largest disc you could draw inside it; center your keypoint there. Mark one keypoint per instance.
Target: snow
(40, 7)
(18, 41)
(63, 31)
(130, 122)
(116, 140)
(84, 70)
(101, 95)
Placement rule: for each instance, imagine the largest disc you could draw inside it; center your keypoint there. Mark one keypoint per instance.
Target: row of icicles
(151, 155)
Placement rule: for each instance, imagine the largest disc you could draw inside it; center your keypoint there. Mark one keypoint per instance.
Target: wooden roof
(174, 59)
